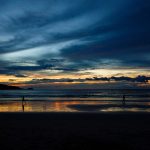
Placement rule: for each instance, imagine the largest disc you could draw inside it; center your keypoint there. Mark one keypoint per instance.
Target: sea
(75, 100)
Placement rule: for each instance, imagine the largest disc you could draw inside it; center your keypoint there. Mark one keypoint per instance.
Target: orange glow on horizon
(27, 81)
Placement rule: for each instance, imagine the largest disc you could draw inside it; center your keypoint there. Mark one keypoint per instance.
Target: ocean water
(74, 100)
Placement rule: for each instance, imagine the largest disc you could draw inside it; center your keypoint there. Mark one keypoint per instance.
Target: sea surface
(75, 100)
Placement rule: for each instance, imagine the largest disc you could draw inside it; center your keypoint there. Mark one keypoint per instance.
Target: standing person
(124, 100)
(23, 103)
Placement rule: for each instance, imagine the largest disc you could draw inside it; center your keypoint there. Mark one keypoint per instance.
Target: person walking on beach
(124, 100)
(23, 103)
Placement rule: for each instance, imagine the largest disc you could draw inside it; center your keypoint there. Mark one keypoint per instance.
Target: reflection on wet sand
(37, 106)
(111, 107)
(72, 106)
(10, 107)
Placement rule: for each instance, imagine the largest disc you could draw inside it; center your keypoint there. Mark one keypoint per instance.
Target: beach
(74, 120)
(75, 131)
(74, 74)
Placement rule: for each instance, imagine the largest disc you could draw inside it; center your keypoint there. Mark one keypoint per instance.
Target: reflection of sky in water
(74, 100)
(118, 109)
(65, 106)
(41, 106)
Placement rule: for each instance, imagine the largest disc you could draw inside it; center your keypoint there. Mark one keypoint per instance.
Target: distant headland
(8, 87)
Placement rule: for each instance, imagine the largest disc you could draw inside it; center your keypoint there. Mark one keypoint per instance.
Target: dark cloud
(20, 75)
(141, 79)
(73, 36)
(138, 79)
(12, 80)
(44, 64)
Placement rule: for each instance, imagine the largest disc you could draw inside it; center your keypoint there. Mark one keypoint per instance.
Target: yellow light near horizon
(7, 78)
(117, 72)
(90, 73)
(25, 81)
(109, 72)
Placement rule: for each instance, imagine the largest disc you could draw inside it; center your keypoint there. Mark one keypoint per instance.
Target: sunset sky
(75, 43)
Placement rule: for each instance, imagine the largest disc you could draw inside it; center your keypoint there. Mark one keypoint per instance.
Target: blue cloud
(100, 30)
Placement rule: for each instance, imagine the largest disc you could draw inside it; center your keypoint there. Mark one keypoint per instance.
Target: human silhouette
(124, 100)
(23, 103)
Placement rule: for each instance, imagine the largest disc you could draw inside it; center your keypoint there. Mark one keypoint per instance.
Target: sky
(75, 44)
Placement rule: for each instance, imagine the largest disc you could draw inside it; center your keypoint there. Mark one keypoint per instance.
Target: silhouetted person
(124, 100)
(23, 103)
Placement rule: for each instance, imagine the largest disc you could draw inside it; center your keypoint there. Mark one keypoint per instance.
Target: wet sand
(101, 107)
(75, 131)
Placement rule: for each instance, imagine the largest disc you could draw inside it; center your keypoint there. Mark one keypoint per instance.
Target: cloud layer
(74, 36)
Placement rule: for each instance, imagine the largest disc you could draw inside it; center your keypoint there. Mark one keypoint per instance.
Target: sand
(75, 131)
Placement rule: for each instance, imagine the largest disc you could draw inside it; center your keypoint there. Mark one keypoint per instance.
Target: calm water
(74, 100)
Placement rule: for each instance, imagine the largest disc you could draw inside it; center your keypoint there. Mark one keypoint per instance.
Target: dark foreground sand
(74, 131)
